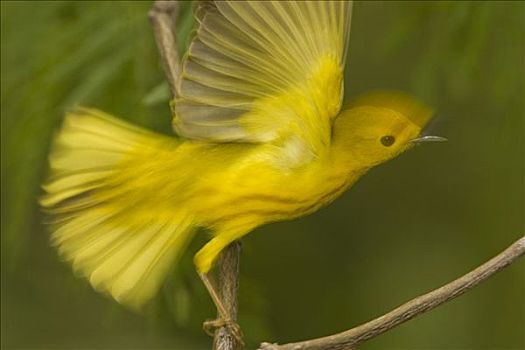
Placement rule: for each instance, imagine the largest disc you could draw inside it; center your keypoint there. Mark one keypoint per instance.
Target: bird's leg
(225, 319)
(221, 309)
(226, 247)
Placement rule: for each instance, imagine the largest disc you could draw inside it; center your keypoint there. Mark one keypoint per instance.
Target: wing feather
(264, 71)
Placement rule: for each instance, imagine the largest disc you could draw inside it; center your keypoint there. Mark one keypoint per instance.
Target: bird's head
(378, 126)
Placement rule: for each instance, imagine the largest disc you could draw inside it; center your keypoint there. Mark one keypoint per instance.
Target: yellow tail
(101, 219)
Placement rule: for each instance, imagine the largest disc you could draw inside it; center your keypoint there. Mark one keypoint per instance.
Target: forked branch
(355, 336)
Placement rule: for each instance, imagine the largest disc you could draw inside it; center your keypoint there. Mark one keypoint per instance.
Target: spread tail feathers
(103, 218)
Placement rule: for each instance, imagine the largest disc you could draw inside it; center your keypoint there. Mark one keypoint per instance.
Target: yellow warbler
(261, 138)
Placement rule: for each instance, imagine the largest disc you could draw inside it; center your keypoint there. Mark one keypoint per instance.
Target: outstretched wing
(264, 71)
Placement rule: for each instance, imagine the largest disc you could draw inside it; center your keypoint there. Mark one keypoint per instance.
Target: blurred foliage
(407, 227)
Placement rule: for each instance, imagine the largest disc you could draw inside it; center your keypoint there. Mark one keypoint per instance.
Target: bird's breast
(264, 198)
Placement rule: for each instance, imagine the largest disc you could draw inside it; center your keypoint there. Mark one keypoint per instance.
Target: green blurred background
(405, 228)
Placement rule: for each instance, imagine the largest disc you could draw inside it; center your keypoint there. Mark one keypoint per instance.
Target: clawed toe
(234, 329)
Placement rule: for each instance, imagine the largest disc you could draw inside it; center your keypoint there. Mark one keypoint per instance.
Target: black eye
(388, 140)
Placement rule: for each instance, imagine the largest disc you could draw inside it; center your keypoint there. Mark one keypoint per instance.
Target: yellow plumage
(262, 139)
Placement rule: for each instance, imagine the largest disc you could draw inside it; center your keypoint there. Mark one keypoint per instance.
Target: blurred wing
(261, 71)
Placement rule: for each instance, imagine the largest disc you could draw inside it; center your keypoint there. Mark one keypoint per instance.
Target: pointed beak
(428, 139)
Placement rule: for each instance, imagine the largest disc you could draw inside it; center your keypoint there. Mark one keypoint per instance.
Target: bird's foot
(210, 326)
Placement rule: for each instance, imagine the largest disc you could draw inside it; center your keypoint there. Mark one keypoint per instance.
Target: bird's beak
(428, 139)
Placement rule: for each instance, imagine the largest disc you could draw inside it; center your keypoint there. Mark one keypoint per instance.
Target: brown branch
(350, 338)
(163, 17)
(228, 284)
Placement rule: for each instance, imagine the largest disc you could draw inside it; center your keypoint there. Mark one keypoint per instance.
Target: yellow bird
(262, 137)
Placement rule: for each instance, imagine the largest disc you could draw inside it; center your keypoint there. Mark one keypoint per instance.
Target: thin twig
(163, 16)
(351, 338)
(228, 266)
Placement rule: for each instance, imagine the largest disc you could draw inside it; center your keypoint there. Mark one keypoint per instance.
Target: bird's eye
(388, 140)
